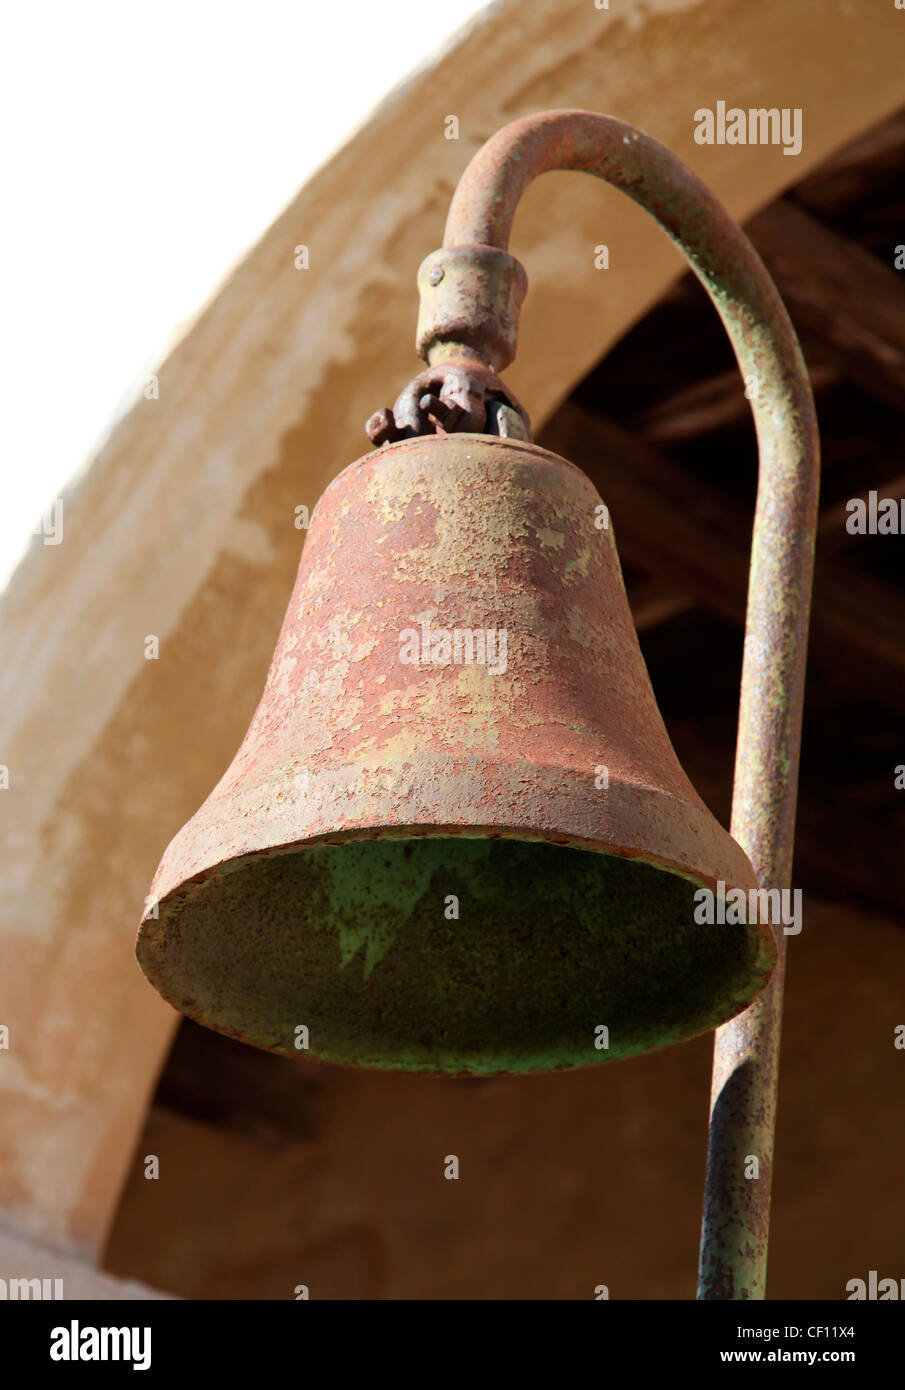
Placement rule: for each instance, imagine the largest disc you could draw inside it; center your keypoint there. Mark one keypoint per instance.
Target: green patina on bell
(456, 837)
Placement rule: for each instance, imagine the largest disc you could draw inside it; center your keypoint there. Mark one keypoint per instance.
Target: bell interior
(450, 954)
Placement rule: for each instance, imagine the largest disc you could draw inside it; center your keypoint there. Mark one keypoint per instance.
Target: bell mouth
(450, 954)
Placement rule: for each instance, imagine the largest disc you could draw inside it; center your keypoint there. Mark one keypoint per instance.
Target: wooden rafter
(843, 296)
(675, 527)
(654, 601)
(842, 179)
(714, 403)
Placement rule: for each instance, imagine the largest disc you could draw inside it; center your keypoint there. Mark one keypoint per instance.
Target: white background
(145, 148)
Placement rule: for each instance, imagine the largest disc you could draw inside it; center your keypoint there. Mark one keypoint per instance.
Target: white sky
(145, 148)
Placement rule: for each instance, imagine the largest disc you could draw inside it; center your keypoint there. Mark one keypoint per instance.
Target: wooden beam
(842, 295)
(841, 849)
(271, 1100)
(712, 404)
(678, 528)
(653, 602)
(847, 175)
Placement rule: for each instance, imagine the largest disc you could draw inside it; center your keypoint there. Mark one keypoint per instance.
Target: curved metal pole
(746, 1057)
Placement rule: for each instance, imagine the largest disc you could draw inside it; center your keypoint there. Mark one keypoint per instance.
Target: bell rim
(150, 951)
(490, 830)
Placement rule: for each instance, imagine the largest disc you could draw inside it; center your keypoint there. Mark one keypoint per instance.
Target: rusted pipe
(473, 312)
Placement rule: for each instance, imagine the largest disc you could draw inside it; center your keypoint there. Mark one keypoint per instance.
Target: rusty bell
(456, 837)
